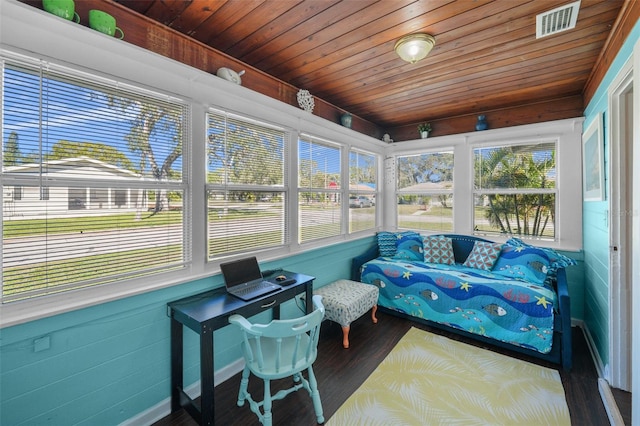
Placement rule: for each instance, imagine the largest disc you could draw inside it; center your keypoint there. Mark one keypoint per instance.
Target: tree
(434, 167)
(362, 169)
(12, 155)
(244, 155)
(147, 120)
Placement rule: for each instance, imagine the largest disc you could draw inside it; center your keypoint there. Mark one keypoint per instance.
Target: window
(319, 196)
(17, 193)
(44, 193)
(246, 192)
(515, 190)
(425, 191)
(362, 190)
(100, 170)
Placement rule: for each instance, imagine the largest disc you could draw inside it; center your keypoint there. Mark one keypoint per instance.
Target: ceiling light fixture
(414, 47)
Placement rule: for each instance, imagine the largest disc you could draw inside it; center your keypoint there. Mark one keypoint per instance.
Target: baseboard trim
(609, 402)
(615, 418)
(163, 408)
(597, 361)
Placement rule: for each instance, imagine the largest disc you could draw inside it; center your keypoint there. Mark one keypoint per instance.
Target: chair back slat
(277, 350)
(278, 354)
(281, 346)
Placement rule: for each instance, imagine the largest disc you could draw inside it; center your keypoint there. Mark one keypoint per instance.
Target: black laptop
(243, 279)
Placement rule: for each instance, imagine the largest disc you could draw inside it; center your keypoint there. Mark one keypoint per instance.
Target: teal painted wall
(106, 364)
(110, 362)
(575, 280)
(594, 218)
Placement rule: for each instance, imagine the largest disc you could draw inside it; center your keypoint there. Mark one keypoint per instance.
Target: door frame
(635, 269)
(620, 243)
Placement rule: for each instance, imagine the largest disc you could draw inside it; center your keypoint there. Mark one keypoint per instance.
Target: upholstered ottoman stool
(345, 301)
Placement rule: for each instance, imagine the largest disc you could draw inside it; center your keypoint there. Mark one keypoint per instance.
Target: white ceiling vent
(559, 19)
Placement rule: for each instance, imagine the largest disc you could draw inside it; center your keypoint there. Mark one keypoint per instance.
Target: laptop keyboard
(253, 287)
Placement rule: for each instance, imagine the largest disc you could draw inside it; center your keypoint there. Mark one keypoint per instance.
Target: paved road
(38, 249)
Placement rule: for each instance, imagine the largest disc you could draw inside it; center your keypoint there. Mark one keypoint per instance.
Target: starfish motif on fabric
(465, 286)
(519, 249)
(542, 301)
(406, 275)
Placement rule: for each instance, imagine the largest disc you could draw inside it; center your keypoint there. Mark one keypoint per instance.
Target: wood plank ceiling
(486, 60)
(486, 56)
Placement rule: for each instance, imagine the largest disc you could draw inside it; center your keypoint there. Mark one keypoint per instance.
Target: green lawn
(29, 227)
(52, 275)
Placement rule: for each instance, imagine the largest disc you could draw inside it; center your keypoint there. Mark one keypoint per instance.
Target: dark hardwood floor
(341, 371)
(623, 401)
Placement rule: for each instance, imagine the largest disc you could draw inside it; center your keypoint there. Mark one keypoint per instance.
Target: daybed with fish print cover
(513, 295)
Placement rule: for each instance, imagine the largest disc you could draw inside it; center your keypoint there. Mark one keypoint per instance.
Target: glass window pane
(87, 236)
(527, 214)
(320, 215)
(362, 184)
(515, 189)
(419, 173)
(318, 165)
(362, 171)
(426, 212)
(244, 221)
(244, 152)
(515, 166)
(425, 191)
(362, 211)
(245, 181)
(58, 118)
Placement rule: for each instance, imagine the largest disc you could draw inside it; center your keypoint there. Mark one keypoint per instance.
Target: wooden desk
(206, 312)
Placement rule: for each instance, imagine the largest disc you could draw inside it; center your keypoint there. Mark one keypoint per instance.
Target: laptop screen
(240, 271)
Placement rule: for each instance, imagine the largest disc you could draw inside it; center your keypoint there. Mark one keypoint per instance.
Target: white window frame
(284, 188)
(488, 191)
(58, 178)
(568, 175)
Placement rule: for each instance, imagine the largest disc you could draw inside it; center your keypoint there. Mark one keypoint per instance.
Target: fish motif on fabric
(538, 266)
(495, 309)
(378, 283)
(428, 294)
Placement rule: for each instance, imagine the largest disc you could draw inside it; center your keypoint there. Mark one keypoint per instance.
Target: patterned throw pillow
(483, 255)
(409, 246)
(438, 249)
(556, 260)
(526, 263)
(387, 243)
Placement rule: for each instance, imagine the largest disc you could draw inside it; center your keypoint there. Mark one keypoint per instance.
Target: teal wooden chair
(277, 350)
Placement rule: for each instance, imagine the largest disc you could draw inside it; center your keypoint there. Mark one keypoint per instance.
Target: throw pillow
(526, 263)
(483, 255)
(409, 246)
(556, 260)
(438, 249)
(387, 243)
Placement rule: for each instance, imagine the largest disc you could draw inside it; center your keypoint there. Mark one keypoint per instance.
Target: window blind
(319, 183)
(362, 190)
(246, 190)
(92, 180)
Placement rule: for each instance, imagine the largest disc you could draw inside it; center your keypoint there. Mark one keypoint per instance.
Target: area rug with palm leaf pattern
(428, 380)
